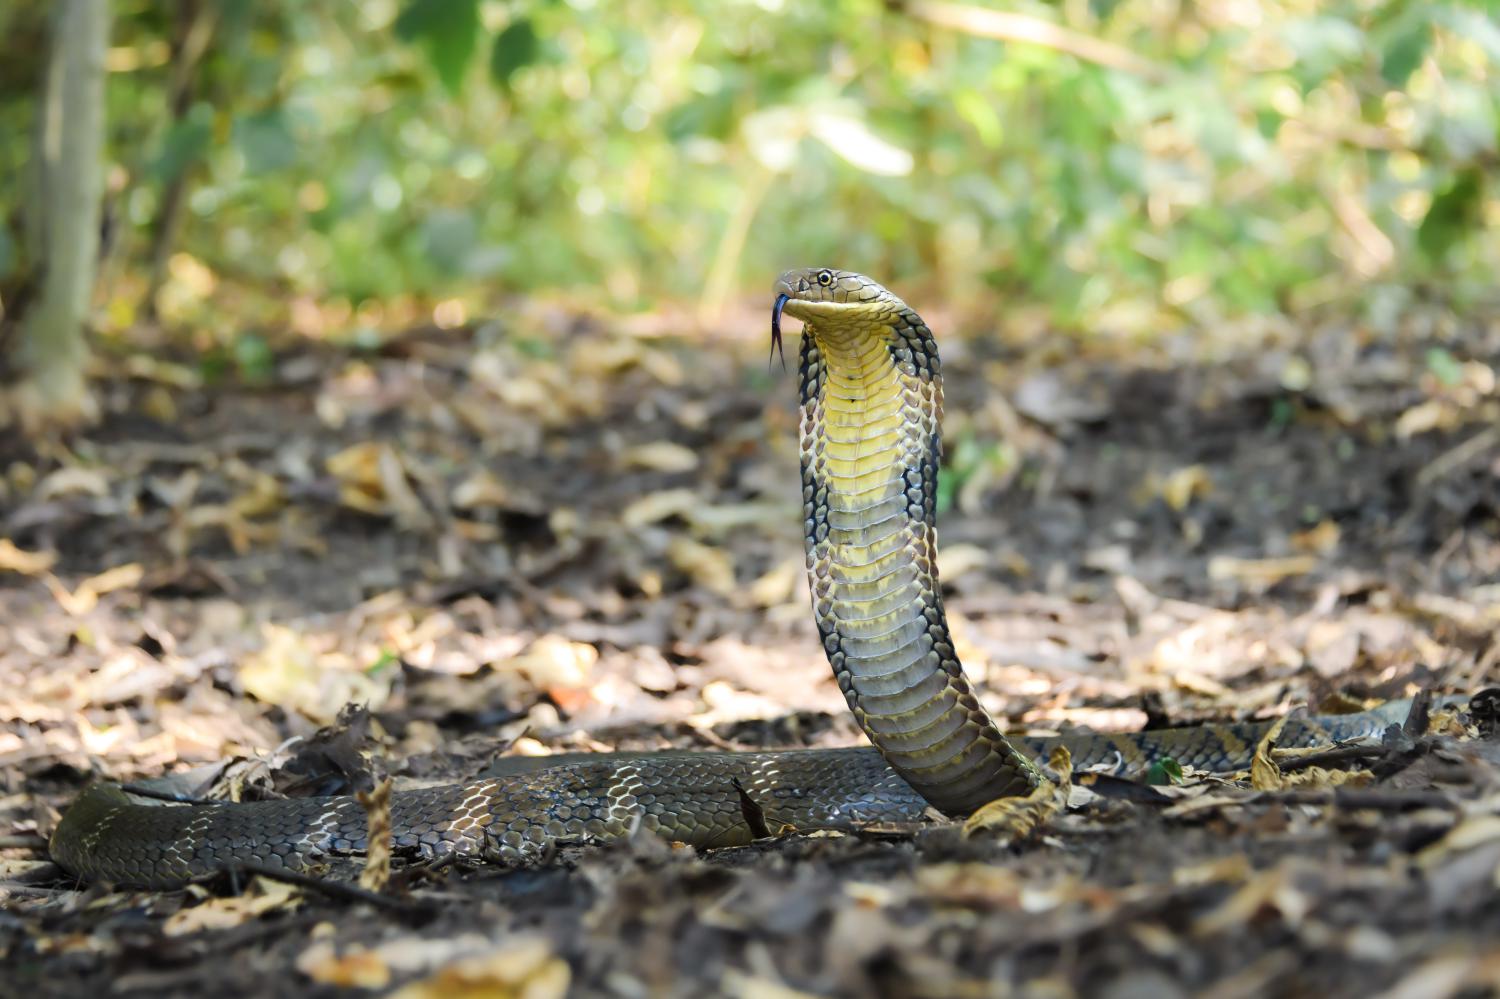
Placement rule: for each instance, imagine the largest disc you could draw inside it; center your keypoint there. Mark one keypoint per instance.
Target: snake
(871, 400)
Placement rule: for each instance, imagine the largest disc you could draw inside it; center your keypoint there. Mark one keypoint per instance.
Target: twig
(1349, 797)
(755, 816)
(333, 889)
(1458, 456)
(23, 841)
(175, 797)
(1007, 26)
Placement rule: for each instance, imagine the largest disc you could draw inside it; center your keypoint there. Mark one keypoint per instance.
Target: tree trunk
(70, 154)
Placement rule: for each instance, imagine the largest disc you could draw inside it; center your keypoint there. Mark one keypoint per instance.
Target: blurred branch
(1007, 26)
(726, 264)
(194, 31)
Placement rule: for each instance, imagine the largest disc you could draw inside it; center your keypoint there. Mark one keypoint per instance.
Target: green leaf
(448, 30)
(1164, 771)
(1444, 366)
(1404, 52)
(515, 48)
(1455, 209)
(185, 143)
(448, 238)
(254, 358)
(8, 253)
(266, 141)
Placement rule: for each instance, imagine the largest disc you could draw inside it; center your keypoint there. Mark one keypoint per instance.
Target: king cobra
(871, 406)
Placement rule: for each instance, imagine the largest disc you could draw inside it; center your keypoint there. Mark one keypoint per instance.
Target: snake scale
(871, 406)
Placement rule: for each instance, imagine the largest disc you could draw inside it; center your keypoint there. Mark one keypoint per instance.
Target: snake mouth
(776, 345)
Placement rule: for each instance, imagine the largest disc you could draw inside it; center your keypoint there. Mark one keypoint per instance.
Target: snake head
(823, 295)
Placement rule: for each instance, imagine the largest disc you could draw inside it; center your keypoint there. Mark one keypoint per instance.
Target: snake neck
(871, 410)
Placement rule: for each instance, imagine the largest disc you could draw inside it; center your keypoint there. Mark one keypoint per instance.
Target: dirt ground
(555, 535)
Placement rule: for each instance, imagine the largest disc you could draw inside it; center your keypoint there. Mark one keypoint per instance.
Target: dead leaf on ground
(661, 456)
(709, 567)
(656, 507)
(1179, 488)
(13, 559)
(1259, 572)
(292, 670)
(524, 968)
(1019, 817)
(262, 896)
(86, 596)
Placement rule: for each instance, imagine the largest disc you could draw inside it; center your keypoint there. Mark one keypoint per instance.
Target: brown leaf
(661, 456)
(13, 559)
(522, 968)
(263, 896)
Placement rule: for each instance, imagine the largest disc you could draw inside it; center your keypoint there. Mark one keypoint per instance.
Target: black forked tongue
(776, 344)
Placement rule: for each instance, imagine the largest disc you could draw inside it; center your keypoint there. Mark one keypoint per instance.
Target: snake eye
(825, 278)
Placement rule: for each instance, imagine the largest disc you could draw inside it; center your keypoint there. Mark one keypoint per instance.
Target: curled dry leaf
(1259, 572)
(373, 479)
(555, 663)
(661, 456)
(377, 805)
(480, 490)
(354, 968)
(656, 507)
(1178, 489)
(86, 596)
(778, 584)
(13, 559)
(1265, 774)
(956, 561)
(1017, 818)
(73, 481)
(290, 670)
(709, 567)
(263, 896)
(523, 968)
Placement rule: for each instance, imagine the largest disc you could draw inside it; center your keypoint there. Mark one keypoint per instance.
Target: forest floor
(569, 537)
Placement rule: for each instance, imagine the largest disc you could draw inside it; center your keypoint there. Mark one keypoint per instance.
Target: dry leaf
(661, 456)
(480, 490)
(1429, 415)
(262, 896)
(1180, 488)
(13, 559)
(553, 662)
(356, 968)
(656, 507)
(1259, 571)
(373, 479)
(292, 672)
(1265, 775)
(1474, 831)
(73, 480)
(1319, 540)
(955, 561)
(522, 968)
(709, 567)
(86, 597)
(778, 585)
(377, 805)
(1017, 818)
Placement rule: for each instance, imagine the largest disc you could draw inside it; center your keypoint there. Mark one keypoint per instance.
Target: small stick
(333, 889)
(1347, 797)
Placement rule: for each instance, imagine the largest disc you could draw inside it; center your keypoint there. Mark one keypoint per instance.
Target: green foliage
(1294, 158)
(1163, 772)
(515, 48)
(448, 30)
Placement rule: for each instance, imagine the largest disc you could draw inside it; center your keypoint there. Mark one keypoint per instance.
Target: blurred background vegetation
(1106, 167)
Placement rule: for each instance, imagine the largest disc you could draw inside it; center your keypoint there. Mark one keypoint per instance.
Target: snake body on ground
(871, 407)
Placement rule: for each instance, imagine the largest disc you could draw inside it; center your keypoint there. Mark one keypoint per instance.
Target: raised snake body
(871, 406)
